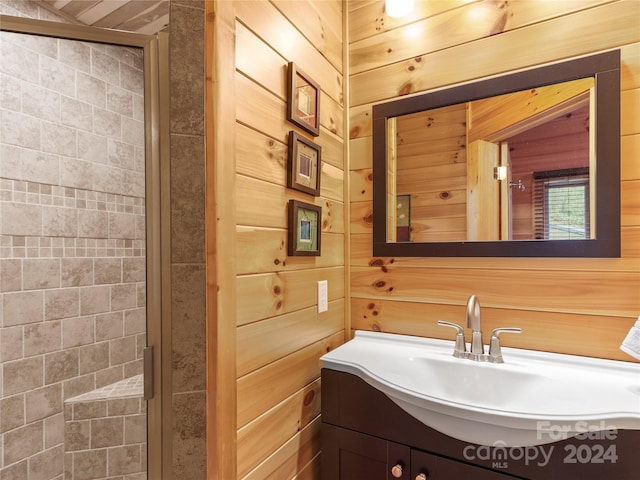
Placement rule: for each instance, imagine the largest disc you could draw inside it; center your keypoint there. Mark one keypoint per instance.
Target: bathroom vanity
(365, 435)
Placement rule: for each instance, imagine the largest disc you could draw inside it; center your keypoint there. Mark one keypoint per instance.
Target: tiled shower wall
(72, 248)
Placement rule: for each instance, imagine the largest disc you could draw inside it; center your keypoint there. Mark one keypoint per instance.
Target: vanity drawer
(435, 467)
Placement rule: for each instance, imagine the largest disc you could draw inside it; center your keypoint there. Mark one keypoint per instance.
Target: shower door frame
(154, 60)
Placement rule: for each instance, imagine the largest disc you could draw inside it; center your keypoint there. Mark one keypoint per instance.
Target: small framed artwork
(403, 218)
(303, 100)
(305, 164)
(305, 221)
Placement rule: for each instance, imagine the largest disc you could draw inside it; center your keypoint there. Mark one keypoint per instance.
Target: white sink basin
(532, 399)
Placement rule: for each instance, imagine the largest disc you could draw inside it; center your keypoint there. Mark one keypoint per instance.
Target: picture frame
(304, 168)
(303, 100)
(403, 218)
(305, 226)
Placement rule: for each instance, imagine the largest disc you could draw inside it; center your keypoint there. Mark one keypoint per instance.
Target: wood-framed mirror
(521, 165)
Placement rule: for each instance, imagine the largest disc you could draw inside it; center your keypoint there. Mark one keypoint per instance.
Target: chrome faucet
(477, 346)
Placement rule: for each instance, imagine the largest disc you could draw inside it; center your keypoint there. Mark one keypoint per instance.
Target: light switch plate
(323, 296)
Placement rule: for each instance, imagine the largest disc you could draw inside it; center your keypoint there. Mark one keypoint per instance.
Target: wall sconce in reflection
(520, 186)
(398, 8)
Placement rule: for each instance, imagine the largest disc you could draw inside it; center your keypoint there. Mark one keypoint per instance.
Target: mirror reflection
(519, 165)
(509, 167)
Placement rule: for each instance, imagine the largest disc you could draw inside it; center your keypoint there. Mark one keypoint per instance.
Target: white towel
(631, 343)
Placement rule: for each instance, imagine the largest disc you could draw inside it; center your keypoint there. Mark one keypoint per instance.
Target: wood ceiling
(141, 16)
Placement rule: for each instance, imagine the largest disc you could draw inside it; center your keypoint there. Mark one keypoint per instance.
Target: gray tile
(187, 199)
(95, 300)
(20, 130)
(44, 337)
(61, 365)
(11, 413)
(59, 222)
(91, 89)
(189, 436)
(188, 328)
(122, 350)
(11, 343)
(22, 375)
(77, 435)
(53, 430)
(17, 471)
(11, 278)
(21, 219)
(41, 273)
(23, 442)
(76, 272)
(46, 465)
(135, 429)
(94, 357)
(109, 326)
(43, 402)
(125, 459)
(108, 270)
(90, 464)
(187, 71)
(92, 147)
(59, 139)
(61, 303)
(107, 432)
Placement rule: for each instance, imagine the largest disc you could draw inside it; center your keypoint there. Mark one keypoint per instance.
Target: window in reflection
(561, 200)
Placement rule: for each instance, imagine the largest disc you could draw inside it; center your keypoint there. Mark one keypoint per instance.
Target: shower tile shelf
(105, 433)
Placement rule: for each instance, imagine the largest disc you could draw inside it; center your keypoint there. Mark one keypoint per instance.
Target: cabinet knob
(421, 476)
(396, 471)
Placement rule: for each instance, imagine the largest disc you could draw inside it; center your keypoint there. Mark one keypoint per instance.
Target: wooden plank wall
(561, 143)
(279, 334)
(579, 306)
(432, 167)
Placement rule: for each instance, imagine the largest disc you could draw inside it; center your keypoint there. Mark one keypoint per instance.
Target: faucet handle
(495, 352)
(461, 347)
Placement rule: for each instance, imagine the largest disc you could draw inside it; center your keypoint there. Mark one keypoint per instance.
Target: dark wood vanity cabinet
(357, 455)
(365, 436)
(353, 455)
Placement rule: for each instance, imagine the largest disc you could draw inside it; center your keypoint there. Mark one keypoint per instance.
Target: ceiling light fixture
(398, 8)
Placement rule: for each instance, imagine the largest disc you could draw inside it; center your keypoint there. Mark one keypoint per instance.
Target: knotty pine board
(319, 33)
(361, 255)
(264, 204)
(442, 25)
(296, 330)
(368, 18)
(630, 155)
(269, 24)
(297, 458)
(264, 435)
(599, 335)
(220, 252)
(278, 293)
(581, 33)
(264, 250)
(607, 293)
(263, 157)
(280, 335)
(263, 389)
(264, 111)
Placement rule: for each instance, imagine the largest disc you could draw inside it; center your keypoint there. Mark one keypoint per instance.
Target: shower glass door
(74, 266)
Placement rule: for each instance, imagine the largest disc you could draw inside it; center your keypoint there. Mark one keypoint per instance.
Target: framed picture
(304, 164)
(303, 101)
(305, 222)
(403, 218)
